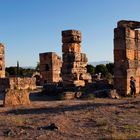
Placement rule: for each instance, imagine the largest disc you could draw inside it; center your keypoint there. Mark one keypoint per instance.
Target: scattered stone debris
(113, 94)
(9, 132)
(50, 127)
(68, 95)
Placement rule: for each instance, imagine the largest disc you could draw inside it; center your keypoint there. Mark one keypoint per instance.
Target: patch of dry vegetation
(75, 119)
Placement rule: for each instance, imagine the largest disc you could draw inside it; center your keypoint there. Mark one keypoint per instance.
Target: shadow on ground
(39, 96)
(62, 109)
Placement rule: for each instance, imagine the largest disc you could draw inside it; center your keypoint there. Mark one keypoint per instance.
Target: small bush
(90, 96)
(60, 97)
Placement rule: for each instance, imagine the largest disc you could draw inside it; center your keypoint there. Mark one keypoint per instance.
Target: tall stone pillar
(2, 61)
(74, 72)
(126, 56)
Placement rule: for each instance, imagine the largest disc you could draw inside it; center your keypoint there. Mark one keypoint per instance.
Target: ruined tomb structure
(126, 56)
(2, 61)
(50, 67)
(74, 72)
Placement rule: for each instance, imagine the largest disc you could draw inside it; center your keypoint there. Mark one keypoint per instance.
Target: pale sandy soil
(75, 119)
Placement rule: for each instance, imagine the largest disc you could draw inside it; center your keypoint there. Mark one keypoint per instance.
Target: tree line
(107, 71)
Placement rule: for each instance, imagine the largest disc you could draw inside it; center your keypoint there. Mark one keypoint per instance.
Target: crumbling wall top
(1, 45)
(71, 33)
(129, 24)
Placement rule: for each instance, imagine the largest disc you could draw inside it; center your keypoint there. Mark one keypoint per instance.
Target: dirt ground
(100, 118)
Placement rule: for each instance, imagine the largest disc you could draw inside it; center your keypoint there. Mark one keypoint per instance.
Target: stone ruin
(66, 76)
(17, 83)
(71, 71)
(15, 89)
(126, 56)
(2, 61)
(50, 67)
(74, 72)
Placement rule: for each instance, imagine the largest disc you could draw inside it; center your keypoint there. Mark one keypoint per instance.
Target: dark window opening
(47, 67)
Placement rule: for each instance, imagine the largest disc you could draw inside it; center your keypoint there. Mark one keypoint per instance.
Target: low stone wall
(17, 83)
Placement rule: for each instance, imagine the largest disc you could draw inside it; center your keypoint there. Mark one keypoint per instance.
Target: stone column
(74, 72)
(2, 61)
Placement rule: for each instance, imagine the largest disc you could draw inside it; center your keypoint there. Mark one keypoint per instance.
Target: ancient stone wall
(74, 72)
(17, 83)
(50, 67)
(126, 56)
(2, 61)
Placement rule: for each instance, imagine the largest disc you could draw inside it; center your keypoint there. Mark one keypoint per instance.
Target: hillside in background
(99, 62)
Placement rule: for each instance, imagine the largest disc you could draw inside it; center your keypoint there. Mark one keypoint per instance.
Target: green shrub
(90, 96)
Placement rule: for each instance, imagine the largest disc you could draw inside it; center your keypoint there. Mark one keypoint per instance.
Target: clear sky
(30, 27)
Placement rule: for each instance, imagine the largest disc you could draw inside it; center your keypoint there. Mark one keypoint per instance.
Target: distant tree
(90, 69)
(109, 77)
(18, 69)
(12, 71)
(101, 69)
(37, 68)
(110, 68)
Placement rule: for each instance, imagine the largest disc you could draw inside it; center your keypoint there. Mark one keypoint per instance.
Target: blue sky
(30, 27)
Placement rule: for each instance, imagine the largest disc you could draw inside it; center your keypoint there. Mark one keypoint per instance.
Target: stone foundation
(17, 83)
(16, 97)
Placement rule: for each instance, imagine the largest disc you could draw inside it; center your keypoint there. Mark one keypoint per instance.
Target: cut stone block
(129, 24)
(72, 39)
(71, 48)
(71, 33)
(16, 97)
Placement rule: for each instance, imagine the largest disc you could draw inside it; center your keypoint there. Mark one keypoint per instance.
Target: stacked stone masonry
(74, 72)
(50, 67)
(2, 61)
(17, 83)
(126, 56)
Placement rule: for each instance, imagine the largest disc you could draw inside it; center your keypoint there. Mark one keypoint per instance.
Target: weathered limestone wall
(126, 56)
(17, 83)
(50, 67)
(74, 72)
(2, 61)
(16, 97)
